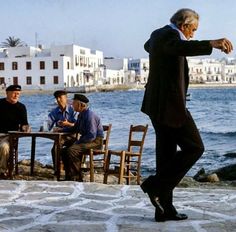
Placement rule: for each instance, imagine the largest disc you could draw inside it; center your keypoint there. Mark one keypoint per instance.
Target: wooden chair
(126, 164)
(97, 158)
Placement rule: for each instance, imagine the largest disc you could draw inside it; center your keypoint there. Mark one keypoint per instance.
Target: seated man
(13, 117)
(89, 126)
(63, 116)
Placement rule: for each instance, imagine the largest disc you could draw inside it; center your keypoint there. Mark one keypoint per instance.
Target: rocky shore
(201, 179)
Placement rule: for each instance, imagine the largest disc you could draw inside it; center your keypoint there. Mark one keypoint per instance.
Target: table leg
(11, 157)
(32, 155)
(15, 142)
(58, 157)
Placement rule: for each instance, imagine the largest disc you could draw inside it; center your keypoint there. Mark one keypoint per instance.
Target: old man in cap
(90, 128)
(63, 116)
(13, 117)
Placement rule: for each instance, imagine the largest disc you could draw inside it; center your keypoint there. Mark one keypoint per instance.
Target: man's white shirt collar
(182, 36)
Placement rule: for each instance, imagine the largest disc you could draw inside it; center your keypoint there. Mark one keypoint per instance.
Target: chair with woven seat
(126, 164)
(97, 157)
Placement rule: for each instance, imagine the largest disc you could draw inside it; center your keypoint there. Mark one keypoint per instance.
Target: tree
(11, 41)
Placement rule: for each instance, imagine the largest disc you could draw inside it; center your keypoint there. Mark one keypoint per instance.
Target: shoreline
(111, 88)
(46, 173)
(212, 85)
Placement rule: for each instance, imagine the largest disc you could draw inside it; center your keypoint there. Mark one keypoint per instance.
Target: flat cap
(59, 93)
(81, 97)
(13, 88)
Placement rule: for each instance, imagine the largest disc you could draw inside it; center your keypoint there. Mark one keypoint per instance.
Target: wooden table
(13, 156)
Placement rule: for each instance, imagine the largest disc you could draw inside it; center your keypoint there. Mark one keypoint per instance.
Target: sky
(119, 28)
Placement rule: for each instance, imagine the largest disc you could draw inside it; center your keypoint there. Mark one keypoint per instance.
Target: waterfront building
(141, 68)
(229, 73)
(201, 70)
(117, 71)
(65, 66)
(212, 71)
(77, 68)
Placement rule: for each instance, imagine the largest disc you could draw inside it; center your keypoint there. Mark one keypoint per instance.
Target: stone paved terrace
(85, 207)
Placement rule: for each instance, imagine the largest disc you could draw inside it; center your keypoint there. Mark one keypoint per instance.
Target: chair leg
(105, 161)
(127, 169)
(122, 166)
(138, 170)
(91, 165)
(106, 165)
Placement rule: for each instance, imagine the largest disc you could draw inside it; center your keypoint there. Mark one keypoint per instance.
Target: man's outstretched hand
(223, 44)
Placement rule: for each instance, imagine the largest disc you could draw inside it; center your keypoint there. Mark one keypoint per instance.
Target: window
(2, 80)
(68, 65)
(42, 65)
(82, 51)
(55, 64)
(82, 61)
(76, 60)
(14, 66)
(42, 80)
(28, 80)
(55, 80)
(28, 65)
(15, 80)
(2, 66)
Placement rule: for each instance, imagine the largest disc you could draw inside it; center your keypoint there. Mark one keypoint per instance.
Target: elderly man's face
(62, 100)
(13, 96)
(77, 106)
(189, 29)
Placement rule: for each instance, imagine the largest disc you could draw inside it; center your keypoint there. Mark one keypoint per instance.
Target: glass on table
(26, 128)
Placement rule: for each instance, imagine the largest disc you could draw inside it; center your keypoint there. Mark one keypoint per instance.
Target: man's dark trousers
(172, 165)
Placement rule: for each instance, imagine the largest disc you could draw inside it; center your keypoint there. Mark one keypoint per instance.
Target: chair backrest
(135, 131)
(107, 131)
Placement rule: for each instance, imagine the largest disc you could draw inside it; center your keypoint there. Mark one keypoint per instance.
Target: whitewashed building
(116, 71)
(200, 70)
(211, 71)
(74, 67)
(141, 68)
(59, 67)
(229, 74)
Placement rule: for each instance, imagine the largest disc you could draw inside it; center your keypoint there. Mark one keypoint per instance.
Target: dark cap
(13, 88)
(81, 98)
(59, 93)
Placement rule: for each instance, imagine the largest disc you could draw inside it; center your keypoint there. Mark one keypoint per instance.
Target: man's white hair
(184, 16)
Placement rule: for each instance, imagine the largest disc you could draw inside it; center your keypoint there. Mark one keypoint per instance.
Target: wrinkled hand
(57, 129)
(65, 123)
(223, 44)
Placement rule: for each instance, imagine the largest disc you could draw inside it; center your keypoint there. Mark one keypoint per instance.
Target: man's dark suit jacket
(165, 94)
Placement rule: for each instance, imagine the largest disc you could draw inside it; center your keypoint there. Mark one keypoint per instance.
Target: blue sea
(214, 111)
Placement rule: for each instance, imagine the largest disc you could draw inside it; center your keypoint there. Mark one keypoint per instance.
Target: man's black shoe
(174, 217)
(177, 217)
(153, 198)
(3, 176)
(68, 178)
(79, 177)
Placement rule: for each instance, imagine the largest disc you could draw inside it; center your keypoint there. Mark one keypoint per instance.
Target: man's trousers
(177, 150)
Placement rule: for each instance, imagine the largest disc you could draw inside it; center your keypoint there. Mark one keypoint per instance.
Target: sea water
(214, 111)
